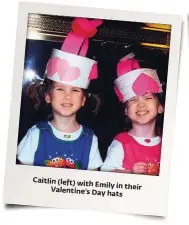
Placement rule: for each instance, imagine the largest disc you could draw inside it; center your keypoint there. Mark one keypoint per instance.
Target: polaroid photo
(93, 109)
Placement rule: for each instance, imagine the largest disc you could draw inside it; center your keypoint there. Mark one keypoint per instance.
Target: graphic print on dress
(153, 168)
(65, 161)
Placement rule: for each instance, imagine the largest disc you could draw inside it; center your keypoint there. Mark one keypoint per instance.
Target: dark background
(107, 51)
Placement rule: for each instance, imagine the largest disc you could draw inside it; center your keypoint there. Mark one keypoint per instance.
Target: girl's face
(143, 109)
(65, 100)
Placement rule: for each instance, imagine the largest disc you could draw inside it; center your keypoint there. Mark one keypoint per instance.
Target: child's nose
(141, 103)
(67, 94)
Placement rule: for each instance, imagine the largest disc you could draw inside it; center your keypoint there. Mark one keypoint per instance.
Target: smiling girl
(138, 150)
(62, 142)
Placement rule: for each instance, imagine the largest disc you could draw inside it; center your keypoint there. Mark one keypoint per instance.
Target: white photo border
(152, 199)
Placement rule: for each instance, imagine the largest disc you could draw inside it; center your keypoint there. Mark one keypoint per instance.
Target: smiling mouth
(67, 105)
(142, 113)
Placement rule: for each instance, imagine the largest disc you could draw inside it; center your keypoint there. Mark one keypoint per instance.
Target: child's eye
(133, 100)
(76, 90)
(60, 89)
(148, 98)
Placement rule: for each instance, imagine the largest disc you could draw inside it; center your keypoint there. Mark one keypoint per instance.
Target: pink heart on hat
(52, 66)
(143, 84)
(64, 70)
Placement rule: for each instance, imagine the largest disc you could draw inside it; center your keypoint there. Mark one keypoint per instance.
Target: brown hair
(96, 98)
(36, 94)
(36, 91)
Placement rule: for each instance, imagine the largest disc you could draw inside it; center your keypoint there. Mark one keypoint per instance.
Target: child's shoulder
(123, 137)
(31, 134)
(34, 130)
(87, 131)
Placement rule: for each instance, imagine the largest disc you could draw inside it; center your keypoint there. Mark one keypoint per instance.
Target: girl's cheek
(128, 111)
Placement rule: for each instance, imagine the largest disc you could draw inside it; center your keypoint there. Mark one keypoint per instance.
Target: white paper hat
(133, 80)
(69, 65)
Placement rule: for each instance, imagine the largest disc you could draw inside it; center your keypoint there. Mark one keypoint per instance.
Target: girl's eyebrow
(132, 98)
(59, 86)
(148, 94)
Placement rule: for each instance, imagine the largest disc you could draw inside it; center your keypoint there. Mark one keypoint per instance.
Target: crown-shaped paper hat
(69, 65)
(133, 80)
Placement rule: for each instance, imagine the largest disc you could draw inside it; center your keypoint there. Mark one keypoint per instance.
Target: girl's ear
(125, 108)
(83, 100)
(160, 109)
(47, 98)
